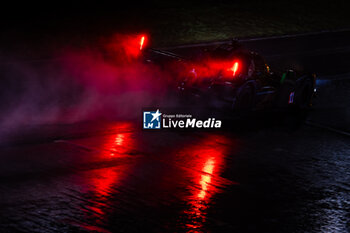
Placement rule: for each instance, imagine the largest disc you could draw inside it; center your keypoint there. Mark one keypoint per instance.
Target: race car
(229, 77)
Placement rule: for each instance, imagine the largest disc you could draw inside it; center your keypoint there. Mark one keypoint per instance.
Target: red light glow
(234, 68)
(127, 47)
(212, 68)
(142, 41)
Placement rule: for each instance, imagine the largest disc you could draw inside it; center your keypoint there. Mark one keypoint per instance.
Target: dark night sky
(33, 23)
(39, 14)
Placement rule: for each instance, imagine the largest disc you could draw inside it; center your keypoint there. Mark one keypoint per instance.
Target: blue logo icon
(151, 120)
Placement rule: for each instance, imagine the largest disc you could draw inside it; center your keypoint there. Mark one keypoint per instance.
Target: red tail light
(215, 68)
(142, 41)
(234, 68)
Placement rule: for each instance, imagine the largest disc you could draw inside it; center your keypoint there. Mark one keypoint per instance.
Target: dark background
(38, 28)
(71, 161)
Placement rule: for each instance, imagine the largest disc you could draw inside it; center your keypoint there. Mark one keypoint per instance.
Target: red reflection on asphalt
(116, 146)
(119, 144)
(104, 180)
(207, 163)
(206, 179)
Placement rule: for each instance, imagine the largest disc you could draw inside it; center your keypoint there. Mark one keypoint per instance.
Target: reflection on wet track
(200, 165)
(113, 177)
(135, 181)
(105, 181)
(206, 156)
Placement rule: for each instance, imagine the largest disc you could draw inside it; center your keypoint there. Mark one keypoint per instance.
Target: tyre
(245, 100)
(288, 84)
(304, 94)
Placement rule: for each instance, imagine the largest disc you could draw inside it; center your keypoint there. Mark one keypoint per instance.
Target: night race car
(230, 77)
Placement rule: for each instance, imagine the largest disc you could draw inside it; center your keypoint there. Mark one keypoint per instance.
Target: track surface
(113, 177)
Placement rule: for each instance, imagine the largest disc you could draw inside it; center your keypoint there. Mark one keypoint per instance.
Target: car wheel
(245, 100)
(304, 94)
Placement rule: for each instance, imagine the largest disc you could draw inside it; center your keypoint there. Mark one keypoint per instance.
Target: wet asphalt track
(113, 177)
